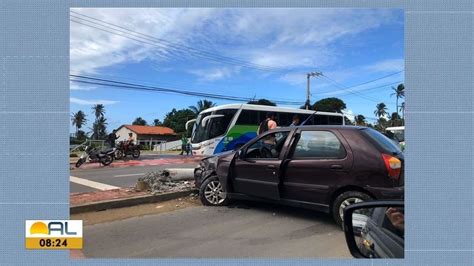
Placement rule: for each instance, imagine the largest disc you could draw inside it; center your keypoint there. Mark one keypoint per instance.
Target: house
(147, 135)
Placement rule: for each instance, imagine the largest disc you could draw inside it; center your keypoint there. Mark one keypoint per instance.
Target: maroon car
(324, 168)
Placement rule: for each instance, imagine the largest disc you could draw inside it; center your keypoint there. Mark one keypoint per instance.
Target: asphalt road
(118, 177)
(248, 230)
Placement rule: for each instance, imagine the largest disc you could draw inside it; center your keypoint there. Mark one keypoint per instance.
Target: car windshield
(382, 141)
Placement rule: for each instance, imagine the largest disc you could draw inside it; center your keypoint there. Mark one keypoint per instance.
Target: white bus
(226, 127)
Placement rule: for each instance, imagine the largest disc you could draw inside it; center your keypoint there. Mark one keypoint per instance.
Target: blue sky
(350, 46)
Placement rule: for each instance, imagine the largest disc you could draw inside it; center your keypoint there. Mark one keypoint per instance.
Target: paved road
(260, 230)
(118, 177)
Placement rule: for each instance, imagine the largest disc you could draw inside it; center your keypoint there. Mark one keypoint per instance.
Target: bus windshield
(215, 127)
(199, 132)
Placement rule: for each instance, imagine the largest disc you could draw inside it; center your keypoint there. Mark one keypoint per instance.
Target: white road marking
(92, 184)
(129, 175)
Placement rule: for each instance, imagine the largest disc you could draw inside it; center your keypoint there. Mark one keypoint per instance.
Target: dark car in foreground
(324, 168)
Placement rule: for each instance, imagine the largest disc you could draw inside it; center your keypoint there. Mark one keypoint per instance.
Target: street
(243, 230)
(93, 177)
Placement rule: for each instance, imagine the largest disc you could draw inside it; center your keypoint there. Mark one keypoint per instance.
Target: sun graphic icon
(39, 228)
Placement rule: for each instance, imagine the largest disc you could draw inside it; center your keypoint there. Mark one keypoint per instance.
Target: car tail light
(393, 165)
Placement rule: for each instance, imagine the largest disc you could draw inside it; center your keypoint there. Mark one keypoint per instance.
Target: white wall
(123, 134)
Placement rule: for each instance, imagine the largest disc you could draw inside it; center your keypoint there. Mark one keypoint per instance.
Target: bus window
(218, 125)
(335, 120)
(282, 119)
(248, 117)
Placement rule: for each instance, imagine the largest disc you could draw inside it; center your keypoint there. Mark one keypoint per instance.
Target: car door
(258, 175)
(319, 160)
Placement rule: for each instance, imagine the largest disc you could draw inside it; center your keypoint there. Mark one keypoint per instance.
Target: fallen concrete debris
(161, 182)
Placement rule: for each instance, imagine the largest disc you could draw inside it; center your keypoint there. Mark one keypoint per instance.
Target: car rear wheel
(212, 192)
(345, 199)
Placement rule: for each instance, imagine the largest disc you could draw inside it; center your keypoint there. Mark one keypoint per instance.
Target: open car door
(256, 169)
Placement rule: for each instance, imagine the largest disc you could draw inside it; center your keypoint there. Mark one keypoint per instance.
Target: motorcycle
(92, 155)
(121, 152)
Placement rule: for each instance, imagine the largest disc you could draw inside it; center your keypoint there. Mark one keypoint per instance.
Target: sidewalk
(119, 198)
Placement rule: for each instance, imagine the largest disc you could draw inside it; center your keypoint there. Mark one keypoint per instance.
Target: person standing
(267, 124)
(111, 138)
(184, 144)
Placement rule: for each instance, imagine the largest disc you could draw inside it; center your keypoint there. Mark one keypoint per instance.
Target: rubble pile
(160, 182)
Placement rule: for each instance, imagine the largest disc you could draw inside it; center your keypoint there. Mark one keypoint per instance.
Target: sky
(262, 53)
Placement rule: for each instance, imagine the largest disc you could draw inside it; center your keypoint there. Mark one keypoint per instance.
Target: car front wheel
(212, 192)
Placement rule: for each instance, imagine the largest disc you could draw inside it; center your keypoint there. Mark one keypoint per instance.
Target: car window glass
(319, 144)
(382, 141)
(268, 146)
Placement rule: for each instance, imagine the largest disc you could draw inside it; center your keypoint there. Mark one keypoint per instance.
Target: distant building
(147, 135)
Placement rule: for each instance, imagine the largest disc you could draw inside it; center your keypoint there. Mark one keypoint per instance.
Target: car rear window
(382, 141)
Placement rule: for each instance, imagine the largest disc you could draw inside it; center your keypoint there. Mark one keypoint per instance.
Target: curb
(128, 202)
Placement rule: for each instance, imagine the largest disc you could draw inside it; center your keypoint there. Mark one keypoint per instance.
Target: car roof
(319, 127)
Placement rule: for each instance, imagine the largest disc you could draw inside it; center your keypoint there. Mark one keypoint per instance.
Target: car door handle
(271, 167)
(336, 167)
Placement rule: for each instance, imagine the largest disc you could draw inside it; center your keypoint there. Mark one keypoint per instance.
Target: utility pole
(308, 92)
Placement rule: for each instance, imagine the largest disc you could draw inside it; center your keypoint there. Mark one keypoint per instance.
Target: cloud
(391, 65)
(81, 87)
(215, 73)
(290, 38)
(91, 102)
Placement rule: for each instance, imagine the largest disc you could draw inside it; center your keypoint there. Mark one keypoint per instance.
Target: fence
(94, 143)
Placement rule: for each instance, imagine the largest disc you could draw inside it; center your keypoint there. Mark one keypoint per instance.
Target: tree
(399, 93)
(201, 106)
(402, 109)
(262, 102)
(330, 105)
(99, 128)
(139, 121)
(360, 120)
(381, 110)
(99, 125)
(78, 120)
(382, 123)
(157, 122)
(81, 136)
(98, 110)
(176, 119)
(395, 119)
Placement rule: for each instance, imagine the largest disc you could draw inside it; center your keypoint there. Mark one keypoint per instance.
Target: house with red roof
(147, 135)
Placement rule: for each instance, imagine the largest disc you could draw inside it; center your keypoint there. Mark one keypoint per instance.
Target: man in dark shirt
(111, 138)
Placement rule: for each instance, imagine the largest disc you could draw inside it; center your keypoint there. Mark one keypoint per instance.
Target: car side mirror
(375, 229)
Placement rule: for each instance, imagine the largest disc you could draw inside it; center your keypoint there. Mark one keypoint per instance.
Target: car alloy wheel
(214, 193)
(346, 203)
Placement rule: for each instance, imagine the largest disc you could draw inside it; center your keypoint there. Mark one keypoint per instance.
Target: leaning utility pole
(308, 93)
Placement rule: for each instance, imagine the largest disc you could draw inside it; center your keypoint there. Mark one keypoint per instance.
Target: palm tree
(99, 110)
(381, 110)
(201, 106)
(402, 109)
(399, 92)
(78, 120)
(99, 128)
(359, 120)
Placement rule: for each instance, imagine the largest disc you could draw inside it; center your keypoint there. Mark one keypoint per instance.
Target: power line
(134, 86)
(168, 44)
(347, 89)
(370, 81)
(366, 89)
